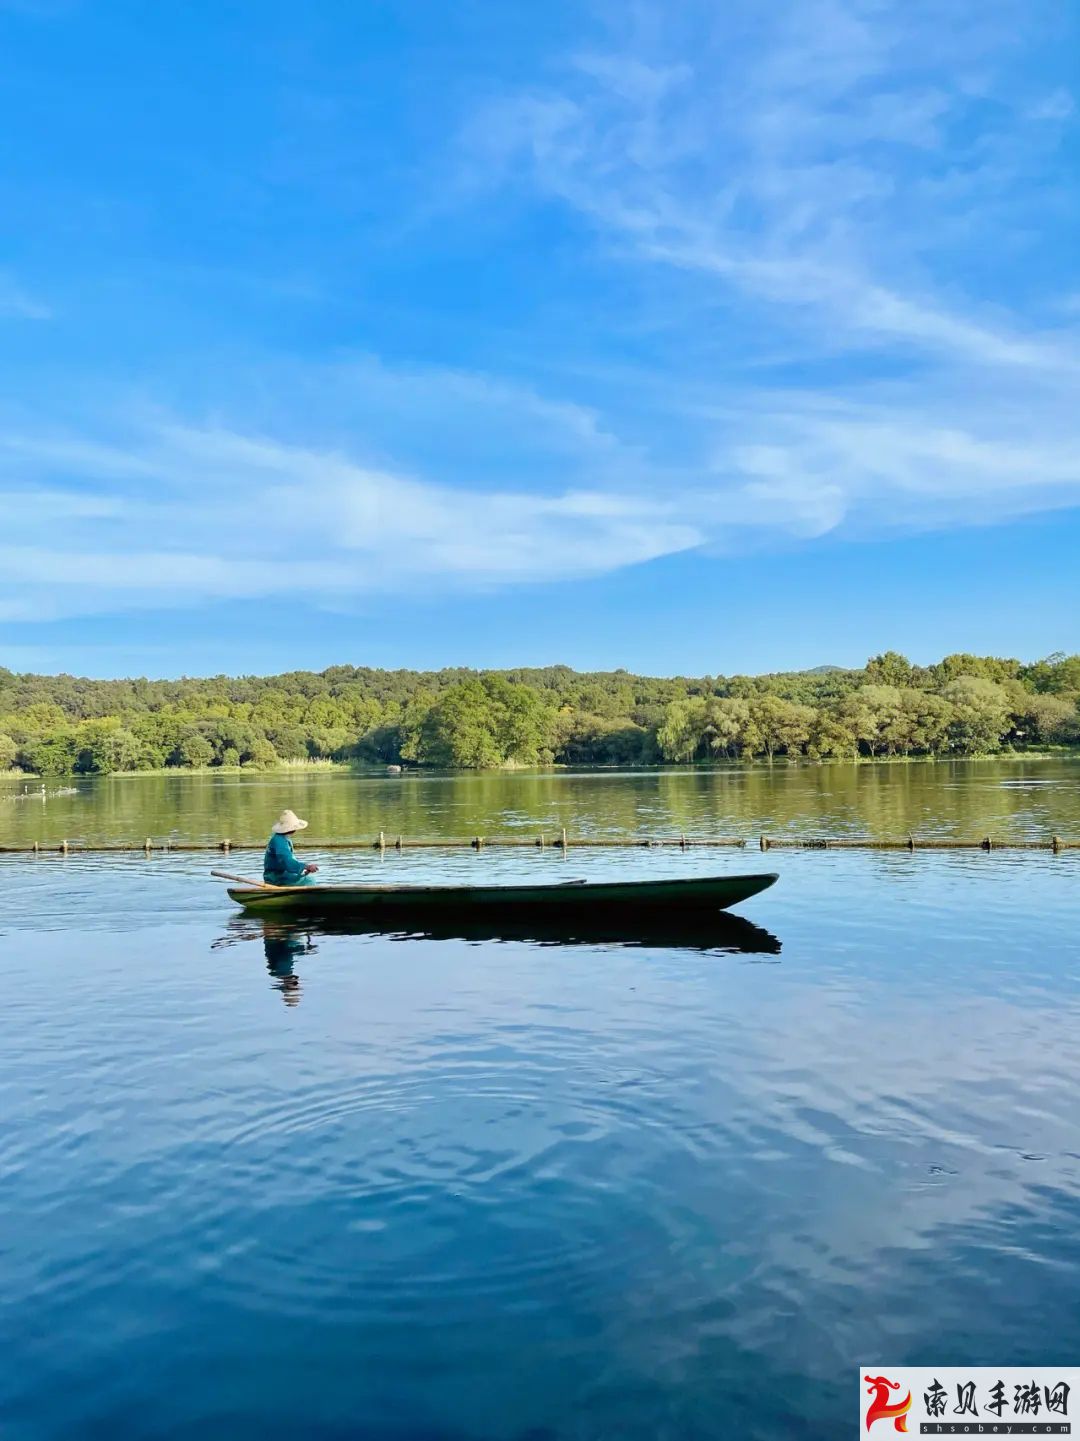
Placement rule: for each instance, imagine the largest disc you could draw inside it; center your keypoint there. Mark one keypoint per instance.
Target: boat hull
(692, 894)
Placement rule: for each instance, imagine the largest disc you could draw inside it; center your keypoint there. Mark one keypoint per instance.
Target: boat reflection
(285, 942)
(716, 931)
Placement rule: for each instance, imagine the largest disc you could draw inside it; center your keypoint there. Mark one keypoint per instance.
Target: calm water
(269, 1183)
(962, 798)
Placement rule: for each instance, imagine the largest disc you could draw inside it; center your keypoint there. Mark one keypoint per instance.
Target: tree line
(963, 705)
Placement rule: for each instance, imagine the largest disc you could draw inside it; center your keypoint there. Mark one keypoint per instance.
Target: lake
(263, 1181)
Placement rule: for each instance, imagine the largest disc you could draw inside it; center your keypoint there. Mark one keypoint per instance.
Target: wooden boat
(697, 894)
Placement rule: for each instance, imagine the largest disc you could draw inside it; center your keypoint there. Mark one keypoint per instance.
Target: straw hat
(288, 821)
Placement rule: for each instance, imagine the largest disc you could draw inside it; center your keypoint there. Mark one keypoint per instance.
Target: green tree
(459, 730)
(727, 721)
(524, 722)
(980, 714)
(53, 756)
(679, 735)
(478, 724)
(883, 707)
(1056, 675)
(528, 715)
(228, 733)
(105, 746)
(195, 751)
(289, 741)
(38, 719)
(602, 740)
(783, 725)
(330, 742)
(263, 755)
(409, 736)
(1049, 718)
(925, 719)
(986, 667)
(830, 736)
(8, 751)
(889, 668)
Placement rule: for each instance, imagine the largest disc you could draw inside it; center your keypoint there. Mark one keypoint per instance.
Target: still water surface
(1015, 797)
(261, 1182)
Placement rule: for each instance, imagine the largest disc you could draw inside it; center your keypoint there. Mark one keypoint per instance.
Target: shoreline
(300, 767)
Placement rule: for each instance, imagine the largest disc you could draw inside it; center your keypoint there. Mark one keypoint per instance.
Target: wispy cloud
(19, 304)
(896, 464)
(175, 514)
(169, 513)
(869, 189)
(818, 161)
(845, 304)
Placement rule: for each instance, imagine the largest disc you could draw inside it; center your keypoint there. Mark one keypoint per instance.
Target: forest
(963, 705)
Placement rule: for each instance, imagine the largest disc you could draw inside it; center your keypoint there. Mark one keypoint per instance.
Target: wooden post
(169, 845)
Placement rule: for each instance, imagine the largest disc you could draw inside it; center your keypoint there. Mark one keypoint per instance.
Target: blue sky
(688, 338)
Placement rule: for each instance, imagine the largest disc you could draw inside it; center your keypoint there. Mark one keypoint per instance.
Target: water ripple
(477, 1188)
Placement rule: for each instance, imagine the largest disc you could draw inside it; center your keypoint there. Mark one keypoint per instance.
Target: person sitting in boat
(280, 864)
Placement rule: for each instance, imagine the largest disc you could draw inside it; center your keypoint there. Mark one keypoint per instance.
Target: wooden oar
(246, 881)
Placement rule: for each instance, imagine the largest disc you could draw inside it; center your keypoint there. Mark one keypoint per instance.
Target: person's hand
(310, 870)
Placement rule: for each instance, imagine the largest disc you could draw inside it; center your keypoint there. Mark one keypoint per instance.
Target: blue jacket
(280, 865)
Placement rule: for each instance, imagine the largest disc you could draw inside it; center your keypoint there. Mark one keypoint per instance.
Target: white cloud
(874, 467)
(853, 188)
(812, 167)
(172, 513)
(219, 514)
(829, 220)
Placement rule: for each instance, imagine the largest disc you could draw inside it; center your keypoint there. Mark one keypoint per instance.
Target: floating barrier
(561, 841)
